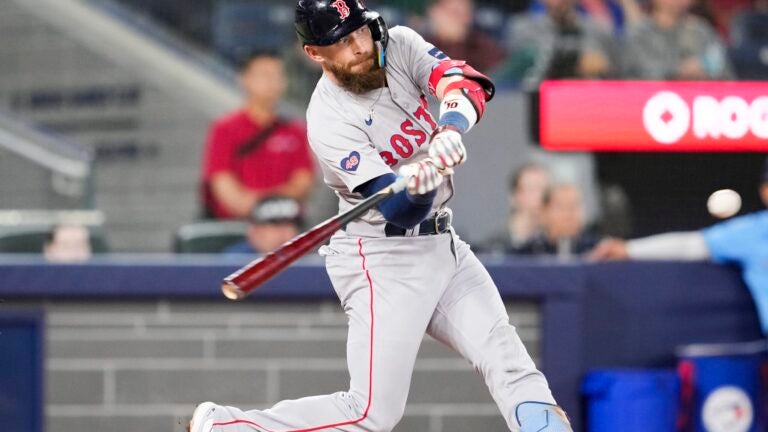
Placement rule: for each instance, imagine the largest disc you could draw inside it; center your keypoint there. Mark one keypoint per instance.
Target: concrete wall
(147, 138)
(142, 366)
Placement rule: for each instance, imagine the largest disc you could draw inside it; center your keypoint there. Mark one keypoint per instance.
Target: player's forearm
(463, 93)
(443, 83)
(402, 209)
(688, 246)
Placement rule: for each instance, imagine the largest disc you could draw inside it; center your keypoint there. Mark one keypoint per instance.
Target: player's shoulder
(400, 32)
(753, 222)
(758, 220)
(399, 35)
(759, 217)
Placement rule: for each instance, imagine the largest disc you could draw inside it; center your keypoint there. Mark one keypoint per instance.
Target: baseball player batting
(399, 270)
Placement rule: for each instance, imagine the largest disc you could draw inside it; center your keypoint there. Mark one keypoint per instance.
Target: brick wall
(142, 366)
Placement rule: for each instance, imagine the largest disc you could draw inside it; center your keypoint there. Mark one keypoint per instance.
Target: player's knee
(384, 419)
(381, 417)
(541, 417)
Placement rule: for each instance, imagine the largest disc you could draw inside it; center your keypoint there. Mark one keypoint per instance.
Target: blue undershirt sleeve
(403, 209)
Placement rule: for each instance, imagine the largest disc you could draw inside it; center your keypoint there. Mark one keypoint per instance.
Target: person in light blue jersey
(742, 240)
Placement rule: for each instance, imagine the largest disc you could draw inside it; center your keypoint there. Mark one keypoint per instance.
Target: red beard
(371, 78)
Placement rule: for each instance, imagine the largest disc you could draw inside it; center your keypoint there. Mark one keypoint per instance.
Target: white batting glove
(423, 177)
(447, 149)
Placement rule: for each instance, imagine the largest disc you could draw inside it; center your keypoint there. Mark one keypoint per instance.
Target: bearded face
(360, 77)
(352, 61)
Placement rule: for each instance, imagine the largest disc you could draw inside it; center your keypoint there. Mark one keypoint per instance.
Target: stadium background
(104, 107)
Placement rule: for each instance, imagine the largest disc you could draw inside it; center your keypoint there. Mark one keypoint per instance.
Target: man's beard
(371, 78)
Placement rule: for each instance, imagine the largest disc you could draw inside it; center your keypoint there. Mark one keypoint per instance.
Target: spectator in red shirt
(253, 152)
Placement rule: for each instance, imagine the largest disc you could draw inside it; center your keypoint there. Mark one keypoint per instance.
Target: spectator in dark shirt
(526, 190)
(749, 42)
(564, 233)
(272, 222)
(526, 195)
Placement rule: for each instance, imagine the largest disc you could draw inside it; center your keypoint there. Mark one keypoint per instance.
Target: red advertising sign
(654, 116)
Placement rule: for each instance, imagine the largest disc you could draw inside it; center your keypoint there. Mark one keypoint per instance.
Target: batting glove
(446, 148)
(423, 177)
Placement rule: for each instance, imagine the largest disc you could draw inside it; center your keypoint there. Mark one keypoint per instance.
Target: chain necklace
(371, 108)
(369, 120)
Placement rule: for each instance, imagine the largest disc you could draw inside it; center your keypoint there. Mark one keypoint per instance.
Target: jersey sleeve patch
(351, 162)
(436, 53)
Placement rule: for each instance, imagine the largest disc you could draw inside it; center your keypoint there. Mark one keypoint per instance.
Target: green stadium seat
(208, 236)
(31, 239)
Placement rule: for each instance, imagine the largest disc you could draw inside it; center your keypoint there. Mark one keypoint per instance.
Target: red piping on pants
(370, 370)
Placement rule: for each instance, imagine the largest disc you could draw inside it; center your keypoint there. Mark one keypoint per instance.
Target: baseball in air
(724, 203)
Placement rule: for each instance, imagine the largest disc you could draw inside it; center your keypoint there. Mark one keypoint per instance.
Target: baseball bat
(242, 282)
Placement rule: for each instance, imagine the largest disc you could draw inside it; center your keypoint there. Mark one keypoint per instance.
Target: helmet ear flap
(380, 39)
(382, 54)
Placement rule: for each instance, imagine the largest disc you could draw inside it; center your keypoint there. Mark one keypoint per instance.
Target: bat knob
(232, 291)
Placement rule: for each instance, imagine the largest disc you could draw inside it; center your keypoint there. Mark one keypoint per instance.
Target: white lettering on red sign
(668, 118)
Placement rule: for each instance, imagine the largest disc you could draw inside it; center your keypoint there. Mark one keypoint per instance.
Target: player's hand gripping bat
(242, 282)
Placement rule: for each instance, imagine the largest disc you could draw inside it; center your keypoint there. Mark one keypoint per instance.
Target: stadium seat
(31, 239)
(208, 236)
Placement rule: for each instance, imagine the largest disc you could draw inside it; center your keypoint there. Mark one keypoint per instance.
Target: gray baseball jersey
(359, 137)
(394, 289)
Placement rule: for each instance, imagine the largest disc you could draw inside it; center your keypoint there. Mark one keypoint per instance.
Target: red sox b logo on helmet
(342, 8)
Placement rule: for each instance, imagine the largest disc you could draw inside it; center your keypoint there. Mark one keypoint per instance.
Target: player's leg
(471, 318)
(389, 303)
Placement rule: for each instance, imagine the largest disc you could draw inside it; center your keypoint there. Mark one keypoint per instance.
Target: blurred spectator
(742, 240)
(749, 42)
(252, 152)
(561, 43)
(724, 12)
(703, 9)
(526, 200)
(272, 222)
(611, 15)
(525, 196)
(451, 27)
(672, 43)
(564, 230)
(67, 244)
